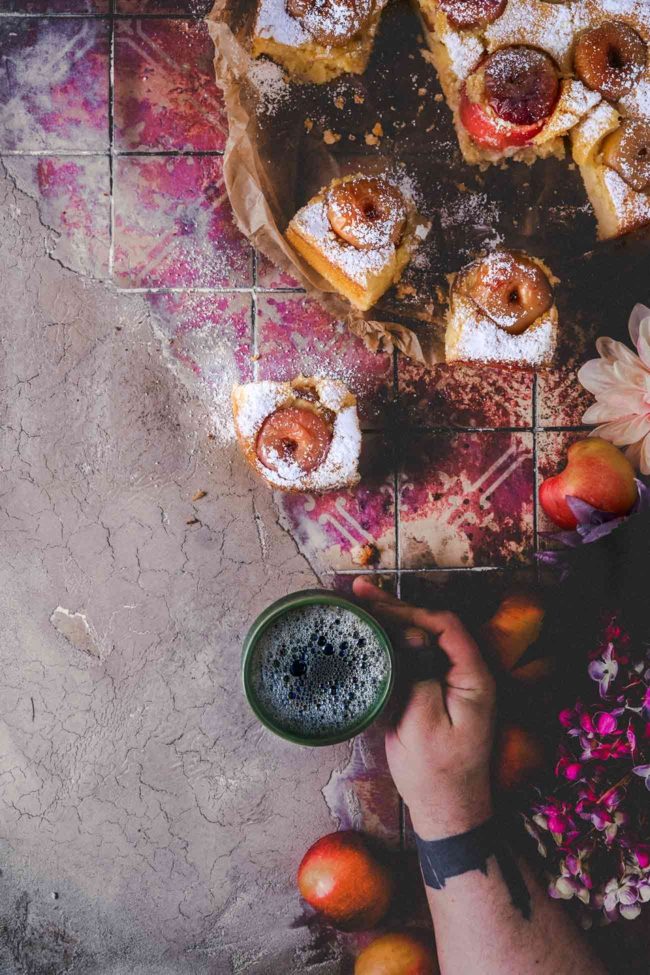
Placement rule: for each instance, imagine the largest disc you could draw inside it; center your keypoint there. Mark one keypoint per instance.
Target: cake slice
(301, 435)
(359, 233)
(317, 40)
(613, 155)
(502, 312)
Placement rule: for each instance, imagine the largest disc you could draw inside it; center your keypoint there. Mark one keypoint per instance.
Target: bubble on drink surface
(333, 673)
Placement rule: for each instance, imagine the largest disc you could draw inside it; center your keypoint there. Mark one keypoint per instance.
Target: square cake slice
(359, 233)
(317, 40)
(301, 435)
(502, 313)
(613, 155)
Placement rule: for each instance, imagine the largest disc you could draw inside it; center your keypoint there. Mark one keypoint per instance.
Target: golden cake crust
(281, 37)
(361, 276)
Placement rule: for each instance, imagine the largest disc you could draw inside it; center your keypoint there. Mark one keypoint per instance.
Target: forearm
(480, 932)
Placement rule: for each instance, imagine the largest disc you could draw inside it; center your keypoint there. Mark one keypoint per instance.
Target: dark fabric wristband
(455, 855)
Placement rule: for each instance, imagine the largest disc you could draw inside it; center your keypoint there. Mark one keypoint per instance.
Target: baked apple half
(509, 98)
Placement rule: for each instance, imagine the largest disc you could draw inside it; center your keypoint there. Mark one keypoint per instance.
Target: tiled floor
(111, 117)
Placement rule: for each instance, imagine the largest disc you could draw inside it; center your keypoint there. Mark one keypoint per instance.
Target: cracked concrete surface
(144, 816)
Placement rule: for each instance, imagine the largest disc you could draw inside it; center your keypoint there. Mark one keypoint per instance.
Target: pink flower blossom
(620, 381)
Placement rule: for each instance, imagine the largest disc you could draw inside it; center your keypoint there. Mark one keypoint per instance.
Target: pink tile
(209, 333)
(561, 400)
(54, 89)
(55, 6)
(330, 529)
(188, 8)
(74, 200)
(552, 449)
(464, 396)
(165, 93)
(466, 499)
(270, 277)
(296, 335)
(361, 795)
(174, 227)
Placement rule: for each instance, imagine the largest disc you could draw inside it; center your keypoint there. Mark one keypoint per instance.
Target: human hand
(439, 749)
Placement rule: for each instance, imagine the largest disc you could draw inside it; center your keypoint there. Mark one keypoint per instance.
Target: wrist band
(455, 855)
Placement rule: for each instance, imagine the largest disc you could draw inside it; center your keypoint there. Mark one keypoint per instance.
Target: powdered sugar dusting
(276, 23)
(547, 26)
(328, 22)
(270, 85)
(632, 207)
(359, 265)
(256, 401)
(481, 340)
(464, 51)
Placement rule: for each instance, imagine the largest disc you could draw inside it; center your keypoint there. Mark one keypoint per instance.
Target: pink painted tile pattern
(183, 8)
(54, 84)
(561, 400)
(209, 333)
(296, 335)
(165, 93)
(362, 795)
(174, 226)
(97, 7)
(466, 500)
(271, 278)
(464, 396)
(331, 529)
(74, 200)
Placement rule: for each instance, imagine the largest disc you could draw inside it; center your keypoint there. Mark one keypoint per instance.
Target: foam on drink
(318, 670)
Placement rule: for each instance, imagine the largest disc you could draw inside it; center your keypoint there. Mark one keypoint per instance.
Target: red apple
(515, 626)
(490, 132)
(404, 953)
(519, 756)
(340, 878)
(596, 472)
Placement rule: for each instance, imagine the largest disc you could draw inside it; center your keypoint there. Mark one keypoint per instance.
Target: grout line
(535, 466)
(243, 290)
(379, 570)
(111, 141)
(54, 15)
(254, 316)
(129, 153)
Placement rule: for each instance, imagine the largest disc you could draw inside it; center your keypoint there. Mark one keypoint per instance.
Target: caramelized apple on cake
(502, 312)
(317, 40)
(301, 435)
(359, 233)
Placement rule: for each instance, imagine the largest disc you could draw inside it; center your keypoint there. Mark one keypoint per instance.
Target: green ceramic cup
(298, 600)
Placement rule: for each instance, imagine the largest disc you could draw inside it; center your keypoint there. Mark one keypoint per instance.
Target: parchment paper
(280, 152)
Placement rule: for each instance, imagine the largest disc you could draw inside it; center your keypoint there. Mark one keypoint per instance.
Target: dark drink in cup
(317, 668)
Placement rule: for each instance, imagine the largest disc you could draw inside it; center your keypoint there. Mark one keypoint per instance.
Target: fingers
(468, 670)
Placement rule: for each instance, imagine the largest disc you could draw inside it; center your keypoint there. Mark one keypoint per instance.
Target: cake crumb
(437, 97)
(199, 495)
(365, 554)
(403, 290)
(339, 101)
(309, 124)
(422, 92)
(329, 137)
(371, 140)
(359, 99)
(378, 129)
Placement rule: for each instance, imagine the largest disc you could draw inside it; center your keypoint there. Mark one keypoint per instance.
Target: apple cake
(359, 233)
(301, 435)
